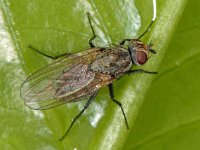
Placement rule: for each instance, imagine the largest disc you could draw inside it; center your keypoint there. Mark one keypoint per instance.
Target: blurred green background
(162, 110)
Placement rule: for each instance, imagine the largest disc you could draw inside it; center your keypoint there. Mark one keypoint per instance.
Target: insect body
(79, 76)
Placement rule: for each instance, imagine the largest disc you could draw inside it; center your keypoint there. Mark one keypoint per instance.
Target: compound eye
(141, 57)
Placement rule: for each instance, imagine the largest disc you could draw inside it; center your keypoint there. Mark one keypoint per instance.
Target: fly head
(139, 51)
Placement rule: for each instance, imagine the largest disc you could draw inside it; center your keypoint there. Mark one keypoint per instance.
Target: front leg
(125, 40)
(130, 72)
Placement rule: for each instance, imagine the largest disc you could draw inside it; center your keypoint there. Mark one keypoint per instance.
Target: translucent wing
(67, 79)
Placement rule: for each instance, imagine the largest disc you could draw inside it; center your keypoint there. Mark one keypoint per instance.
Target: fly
(79, 76)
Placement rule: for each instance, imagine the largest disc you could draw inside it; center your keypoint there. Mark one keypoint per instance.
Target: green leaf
(56, 27)
(169, 117)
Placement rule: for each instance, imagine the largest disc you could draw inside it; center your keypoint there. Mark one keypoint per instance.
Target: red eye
(141, 57)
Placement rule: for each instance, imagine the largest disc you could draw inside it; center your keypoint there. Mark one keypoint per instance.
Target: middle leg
(94, 35)
(110, 86)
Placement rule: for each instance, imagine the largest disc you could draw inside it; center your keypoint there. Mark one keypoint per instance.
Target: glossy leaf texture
(160, 108)
(169, 116)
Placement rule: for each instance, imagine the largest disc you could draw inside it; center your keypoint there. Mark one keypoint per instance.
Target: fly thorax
(112, 61)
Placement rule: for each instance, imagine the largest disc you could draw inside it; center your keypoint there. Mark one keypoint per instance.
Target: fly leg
(48, 56)
(80, 113)
(125, 40)
(94, 35)
(139, 71)
(65, 54)
(110, 86)
(147, 29)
